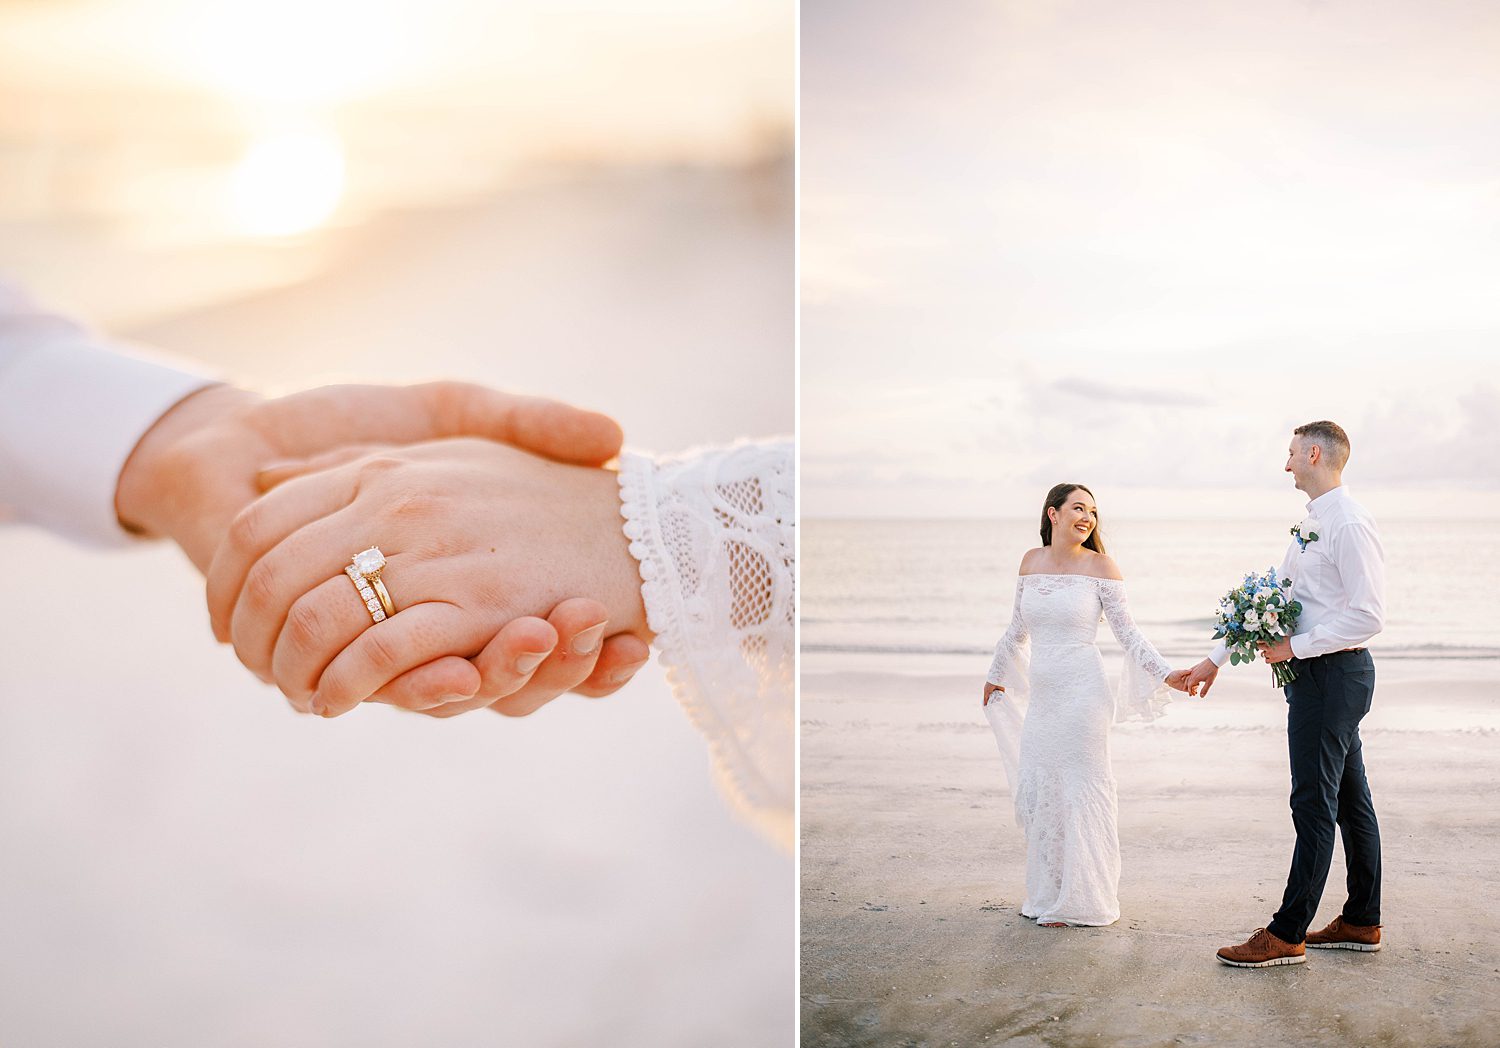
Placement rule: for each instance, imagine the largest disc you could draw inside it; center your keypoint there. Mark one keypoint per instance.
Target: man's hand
(1200, 678)
(198, 465)
(1278, 652)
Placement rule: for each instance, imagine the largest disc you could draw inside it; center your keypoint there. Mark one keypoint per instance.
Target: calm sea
(945, 588)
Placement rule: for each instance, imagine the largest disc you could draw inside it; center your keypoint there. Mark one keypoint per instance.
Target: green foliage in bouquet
(1258, 611)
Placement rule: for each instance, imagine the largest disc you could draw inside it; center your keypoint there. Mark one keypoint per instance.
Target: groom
(1337, 570)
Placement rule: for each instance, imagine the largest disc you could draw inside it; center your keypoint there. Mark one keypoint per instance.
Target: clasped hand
(487, 545)
(1192, 681)
(481, 541)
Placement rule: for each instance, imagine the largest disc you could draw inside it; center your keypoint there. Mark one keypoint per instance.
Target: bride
(1051, 713)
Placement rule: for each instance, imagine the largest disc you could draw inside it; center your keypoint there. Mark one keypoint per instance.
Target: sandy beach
(913, 871)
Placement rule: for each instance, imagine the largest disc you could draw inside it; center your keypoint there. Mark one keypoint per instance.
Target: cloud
(1417, 441)
(1091, 390)
(1041, 259)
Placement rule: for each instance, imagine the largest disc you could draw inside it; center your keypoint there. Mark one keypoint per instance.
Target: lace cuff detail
(713, 532)
(1011, 667)
(1143, 693)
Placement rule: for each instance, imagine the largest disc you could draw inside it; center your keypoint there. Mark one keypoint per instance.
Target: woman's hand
(480, 541)
(990, 689)
(524, 667)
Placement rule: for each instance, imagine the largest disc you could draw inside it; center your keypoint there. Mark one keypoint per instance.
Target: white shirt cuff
(71, 411)
(1220, 654)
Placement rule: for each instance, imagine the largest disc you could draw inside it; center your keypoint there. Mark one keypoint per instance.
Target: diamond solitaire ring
(364, 572)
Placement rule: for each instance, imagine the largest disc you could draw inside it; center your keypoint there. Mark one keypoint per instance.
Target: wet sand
(913, 874)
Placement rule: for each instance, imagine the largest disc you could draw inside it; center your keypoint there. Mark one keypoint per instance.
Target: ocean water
(945, 587)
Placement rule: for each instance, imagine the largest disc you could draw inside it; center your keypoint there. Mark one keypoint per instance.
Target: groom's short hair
(1329, 436)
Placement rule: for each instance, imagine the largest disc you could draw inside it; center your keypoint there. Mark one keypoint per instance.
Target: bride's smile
(1079, 516)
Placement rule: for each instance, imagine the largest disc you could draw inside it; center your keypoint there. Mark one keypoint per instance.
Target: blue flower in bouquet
(1260, 611)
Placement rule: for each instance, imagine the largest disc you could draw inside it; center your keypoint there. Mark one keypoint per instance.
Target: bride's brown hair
(1055, 499)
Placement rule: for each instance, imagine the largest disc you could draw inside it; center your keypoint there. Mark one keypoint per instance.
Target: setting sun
(287, 184)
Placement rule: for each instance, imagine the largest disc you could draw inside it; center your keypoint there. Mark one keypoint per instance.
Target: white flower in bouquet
(1258, 611)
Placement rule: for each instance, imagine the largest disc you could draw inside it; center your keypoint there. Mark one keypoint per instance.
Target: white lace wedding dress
(714, 533)
(1052, 724)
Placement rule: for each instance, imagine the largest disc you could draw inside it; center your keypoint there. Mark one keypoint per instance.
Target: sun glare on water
(287, 184)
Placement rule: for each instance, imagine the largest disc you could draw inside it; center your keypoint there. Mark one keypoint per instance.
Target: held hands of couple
(1196, 681)
(1200, 678)
(207, 458)
(1178, 680)
(481, 540)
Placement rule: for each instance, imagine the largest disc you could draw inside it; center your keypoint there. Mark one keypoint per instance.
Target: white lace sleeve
(1143, 693)
(713, 531)
(1011, 668)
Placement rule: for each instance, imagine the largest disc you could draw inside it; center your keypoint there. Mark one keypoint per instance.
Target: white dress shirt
(1339, 579)
(73, 406)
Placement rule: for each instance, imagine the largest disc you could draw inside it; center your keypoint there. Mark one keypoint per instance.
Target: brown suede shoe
(1261, 951)
(1340, 935)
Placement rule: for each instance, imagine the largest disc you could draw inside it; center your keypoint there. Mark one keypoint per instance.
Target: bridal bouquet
(1258, 611)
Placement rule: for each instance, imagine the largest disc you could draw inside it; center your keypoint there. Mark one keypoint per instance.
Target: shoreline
(1410, 696)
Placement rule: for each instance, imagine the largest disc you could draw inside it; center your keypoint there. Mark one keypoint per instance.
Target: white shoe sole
(1298, 959)
(1361, 947)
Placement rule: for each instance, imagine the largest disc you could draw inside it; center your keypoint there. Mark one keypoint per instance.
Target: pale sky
(225, 142)
(1133, 245)
(136, 110)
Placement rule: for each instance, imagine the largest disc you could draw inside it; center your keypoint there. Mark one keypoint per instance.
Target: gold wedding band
(364, 571)
(383, 595)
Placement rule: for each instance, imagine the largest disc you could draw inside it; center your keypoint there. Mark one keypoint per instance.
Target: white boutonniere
(1306, 532)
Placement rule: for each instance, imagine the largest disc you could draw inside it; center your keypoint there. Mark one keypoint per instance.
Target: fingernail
(315, 705)
(530, 660)
(587, 641)
(622, 675)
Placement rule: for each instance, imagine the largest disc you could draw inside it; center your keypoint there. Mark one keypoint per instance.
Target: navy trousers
(1324, 707)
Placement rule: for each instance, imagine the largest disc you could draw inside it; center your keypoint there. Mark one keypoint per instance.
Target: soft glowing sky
(162, 129)
(646, 74)
(1134, 244)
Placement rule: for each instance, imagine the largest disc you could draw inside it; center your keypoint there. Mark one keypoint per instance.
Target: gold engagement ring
(364, 571)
